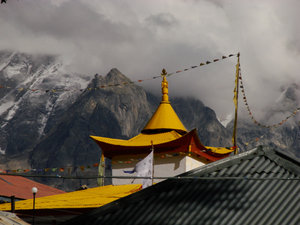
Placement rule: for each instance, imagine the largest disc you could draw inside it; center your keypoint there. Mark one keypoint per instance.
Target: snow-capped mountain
(34, 89)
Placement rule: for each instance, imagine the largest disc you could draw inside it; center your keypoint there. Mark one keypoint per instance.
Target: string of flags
(256, 139)
(250, 111)
(162, 156)
(69, 169)
(118, 84)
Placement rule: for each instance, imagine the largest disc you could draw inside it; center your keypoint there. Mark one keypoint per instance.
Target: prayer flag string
(251, 114)
(69, 169)
(118, 84)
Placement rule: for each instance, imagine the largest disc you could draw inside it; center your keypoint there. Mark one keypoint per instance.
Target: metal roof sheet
(88, 198)
(21, 187)
(260, 186)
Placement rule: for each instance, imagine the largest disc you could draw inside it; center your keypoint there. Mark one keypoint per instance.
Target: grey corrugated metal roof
(245, 201)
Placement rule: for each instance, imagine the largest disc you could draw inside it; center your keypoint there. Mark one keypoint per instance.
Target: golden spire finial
(164, 87)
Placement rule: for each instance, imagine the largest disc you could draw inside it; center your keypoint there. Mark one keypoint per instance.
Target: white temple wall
(163, 167)
(191, 163)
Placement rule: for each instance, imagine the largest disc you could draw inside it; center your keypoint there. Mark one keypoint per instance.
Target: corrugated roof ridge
(228, 163)
(252, 164)
(224, 163)
(284, 160)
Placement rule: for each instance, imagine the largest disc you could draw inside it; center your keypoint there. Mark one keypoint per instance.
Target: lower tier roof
(166, 142)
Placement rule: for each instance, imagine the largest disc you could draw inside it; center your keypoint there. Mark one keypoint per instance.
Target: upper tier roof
(164, 118)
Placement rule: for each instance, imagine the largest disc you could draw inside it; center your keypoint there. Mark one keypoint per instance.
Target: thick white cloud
(142, 37)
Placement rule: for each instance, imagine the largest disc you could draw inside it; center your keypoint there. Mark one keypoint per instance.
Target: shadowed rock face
(117, 112)
(194, 114)
(29, 102)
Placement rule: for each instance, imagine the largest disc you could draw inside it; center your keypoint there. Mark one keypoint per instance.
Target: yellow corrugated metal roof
(89, 198)
(141, 139)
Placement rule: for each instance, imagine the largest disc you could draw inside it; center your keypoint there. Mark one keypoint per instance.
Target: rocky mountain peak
(115, 75)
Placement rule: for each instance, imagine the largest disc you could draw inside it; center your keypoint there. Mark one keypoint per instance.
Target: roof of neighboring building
(260, 186)
(21, 187)
(88, 198)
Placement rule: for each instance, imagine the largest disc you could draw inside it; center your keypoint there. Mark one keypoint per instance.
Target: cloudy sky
(140, 37)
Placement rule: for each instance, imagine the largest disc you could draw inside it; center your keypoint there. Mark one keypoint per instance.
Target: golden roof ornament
(164, 87)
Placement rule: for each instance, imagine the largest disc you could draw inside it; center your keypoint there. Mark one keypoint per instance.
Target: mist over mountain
(47, 115)
(285, 135)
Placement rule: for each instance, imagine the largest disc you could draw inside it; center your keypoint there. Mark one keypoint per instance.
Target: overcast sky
(140, 37)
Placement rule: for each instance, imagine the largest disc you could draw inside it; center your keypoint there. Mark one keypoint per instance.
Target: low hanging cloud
(142, 37)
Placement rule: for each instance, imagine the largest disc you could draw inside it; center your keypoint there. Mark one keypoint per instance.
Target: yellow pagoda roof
(165, 118)
(144, 140)
(88, 198)
(141, 139)
(162, 142)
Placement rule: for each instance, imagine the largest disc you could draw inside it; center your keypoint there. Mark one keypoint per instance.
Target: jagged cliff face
(194, 114)
(118, 112)
(30, 101)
